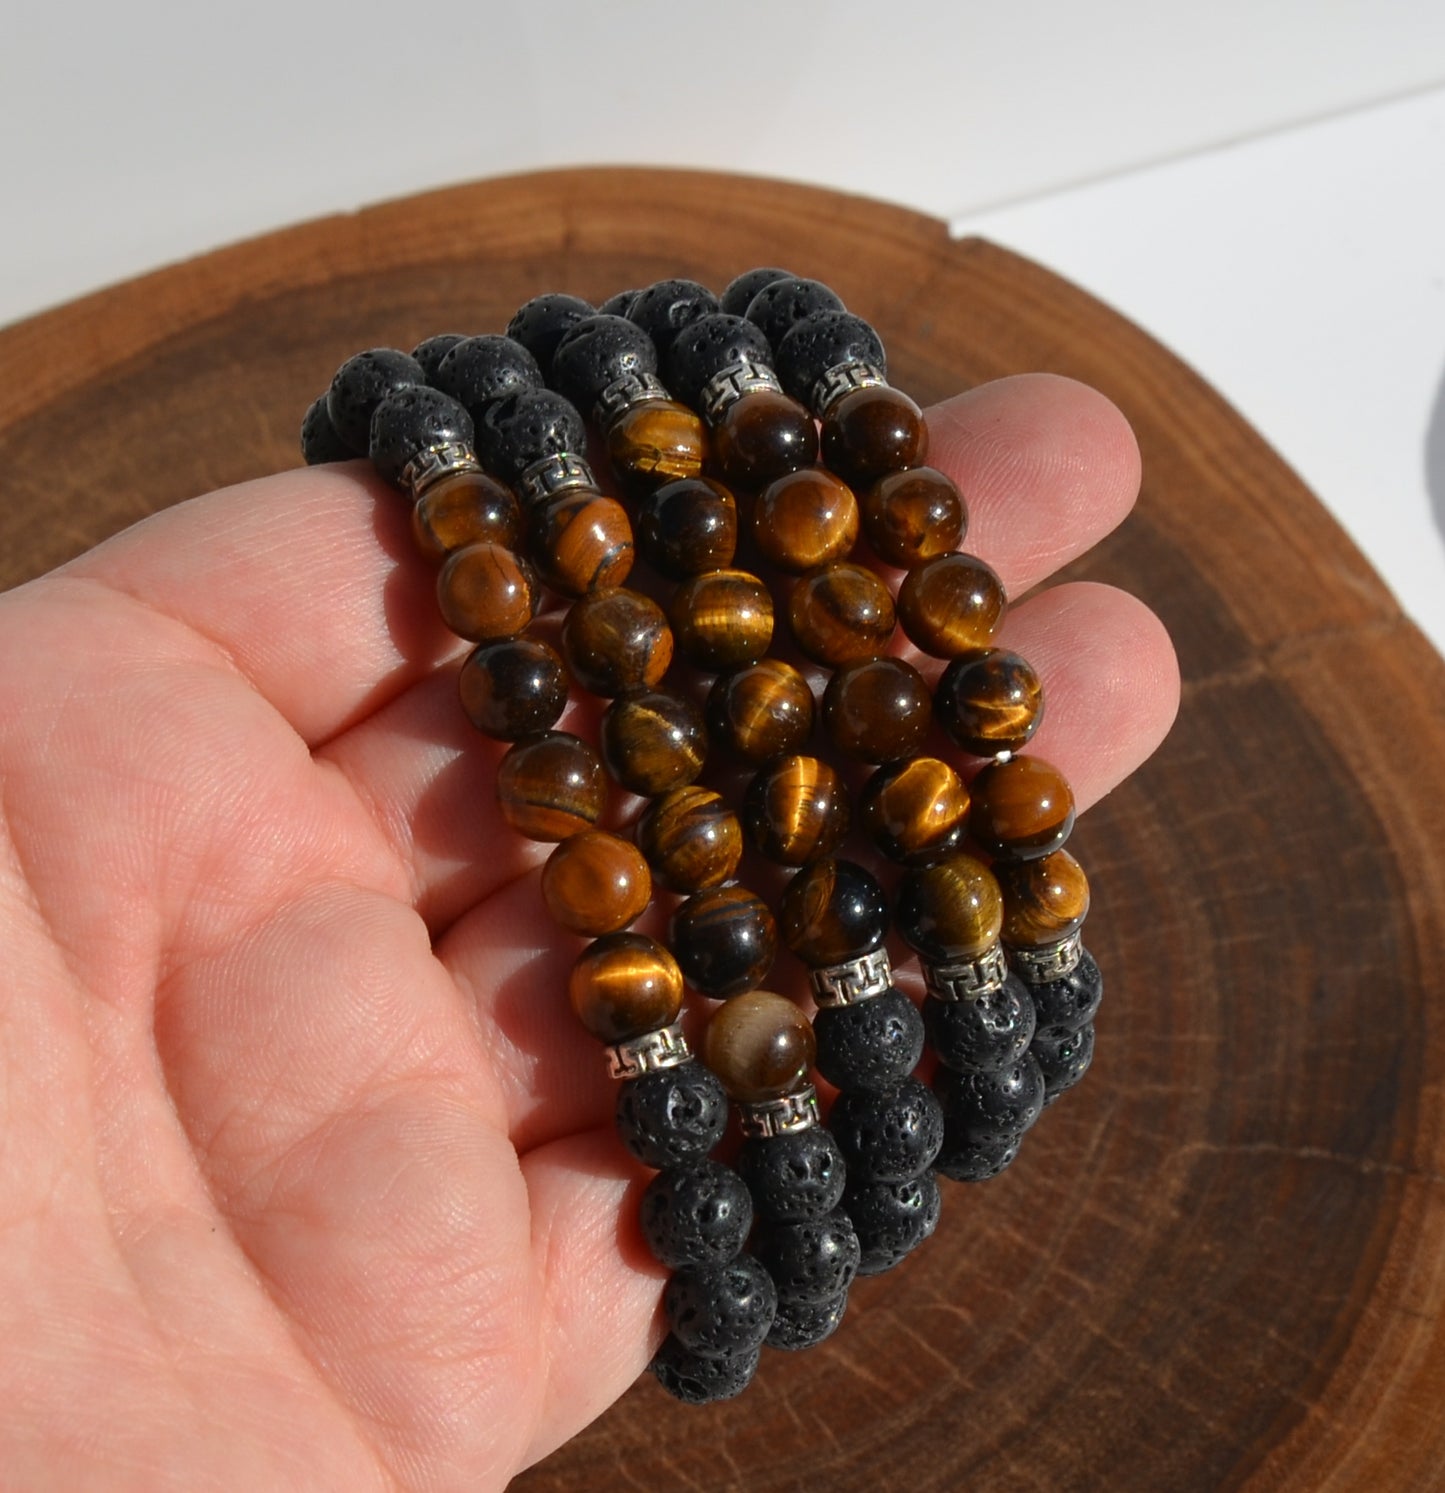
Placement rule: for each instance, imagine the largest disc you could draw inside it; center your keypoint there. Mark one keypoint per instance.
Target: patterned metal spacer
(795, 1111)
(1039, 966)
(969, 978)
(664, 1048)
(553, 474)
(857, 980)
(729, 384)
(436, 462)
(835, 382)
(623, 393)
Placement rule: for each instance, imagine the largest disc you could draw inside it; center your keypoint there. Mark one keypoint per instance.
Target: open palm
(307, 1177)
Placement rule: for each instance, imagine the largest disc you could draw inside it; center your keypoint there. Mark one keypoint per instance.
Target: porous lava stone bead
(761, 712)
(721, 1310)
(950, 910)
(981, 1108)
(410, 421)
(687, 527)
(833, 910)
(725, 939)
(870, 431)
(544, 321)
(793, 1176)
(796, 809)
(430, 351)
(673, 1116)
(762, 436)
(517, 431)
(551, 786)
(805, 519)
(738, 295)
(595, 883)
(722, 620)
(985, 1033)
(805, 1324)
(653, 741)
(465, 508)
(841, 615)
(595, 353)
(698, 1214)
(513, 689)
(760, 1045)
(1044, 900)
(965, 1161)
(486, 593)
(814, 1260)
(781, 304)
(824, 340)
(624, 985)
(1022, 809)
(619, 304)
(871, 1044)
(581, 541)
(950, 605)
(616, 642)
(664, 309)
(691, 839)
(478, 371)
(915, 811)
(657, 441)
(705, 347)
(1063, 1059)
(1071, 1002)
(360, 384)
(913, 516)
(319, 440)
(887, 1135)
(891, 1219)
(696, 1380)
(989, 701)
(878, 710)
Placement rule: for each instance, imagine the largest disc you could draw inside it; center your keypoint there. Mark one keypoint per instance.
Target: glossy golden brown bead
(950, 605)
(596, 883)
(653, 741)
(796, 809)
(656, 442)
(912, 516)
(761, 436)
(989, 701)
(513, 689)
(879, 710)
(916, 810)
(1044, 900)
(950, 910)
(760, 1045)
(760, 712)
(466, 508)
(722, 620)
(581, 542)
(841, 614)
(1022, 809)
(690, 838)
(623, 985)
(616, 641)
(486, 592)
(551, 786)
(874, 430)
(806, 519)
(688, 527)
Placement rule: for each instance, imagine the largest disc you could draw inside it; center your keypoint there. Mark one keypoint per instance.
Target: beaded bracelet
(765, 377)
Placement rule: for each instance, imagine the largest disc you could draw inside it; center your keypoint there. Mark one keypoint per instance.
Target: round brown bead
(950, 605)
(1022, 809)
(760, 1045)
(877, 711)
(725, 940)
(691, 839)
(870, 431)
(796, 809)
(841, 615)
(915, 811)
(616, 641)
(624, 985)
(760, 712)
(806, 519)
(513, 689)
(467, 508)
(1044, 900)
(581, 542)
(912, 516)
(687, 527)
(722, 620)
(656, 442)
(595, 883)
(486, 593)
(832, 911)
(551, 786)
(653, 741)
(950, 910)
(990, 701)
(761, 436)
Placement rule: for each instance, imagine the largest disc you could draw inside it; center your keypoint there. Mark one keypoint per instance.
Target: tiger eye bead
(912, 516)
(833, 910)
(989, 701)
(1044, 900)
(871, 431)
(687, 527)
(486, 593)
(877, 711)
(760, 1045)
(1022, 809)
(725, 940)
(691, 839)
(806, 519)
(581, 542)
(760, 712)
(551, 786)
(763, 435)
(653, 741)
(841, 615)
(950, 910)
(795, 810)
(616, 641)
(513, 689)
(623, 985)
(595, 883)
(722, 620)
(466, 508)
(656, 442)
(915, 811)
(950, 605)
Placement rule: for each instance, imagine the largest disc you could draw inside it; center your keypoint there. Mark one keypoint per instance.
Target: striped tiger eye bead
(688, 527)
(725, 940)
(1044, 900)
(806, 519)
(763, 435)
(656, 442)
(653, 741)
(951, 605)
(879, 710)
(551, 786)
(581, 542)
(913, 516)
(950, 910)
(691, 839)
(616, 641)
(466, 508)
(623, 985)
(760, 712)
(513, 689)
(1022, 809)
(916, 810)
(596, 883)
(871, 431)
(796, 810)
(989, 701)
(841, 614)
(722, 620)
(486, 593)
(760, 1045)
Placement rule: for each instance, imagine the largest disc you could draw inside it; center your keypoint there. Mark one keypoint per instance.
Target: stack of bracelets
(483, 434)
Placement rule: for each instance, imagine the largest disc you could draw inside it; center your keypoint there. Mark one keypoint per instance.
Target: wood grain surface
(1221, 1263)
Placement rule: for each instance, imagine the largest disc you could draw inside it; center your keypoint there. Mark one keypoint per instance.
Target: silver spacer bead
(434, 463)
(857, 980)
(843, 379)
(729, 384)
(795, 1111)
(664, 1048)
(553, 474)
(623, 393)
(969, 978)
(1039, 966)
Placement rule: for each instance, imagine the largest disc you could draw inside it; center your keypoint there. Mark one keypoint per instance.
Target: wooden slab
(1221, 1263)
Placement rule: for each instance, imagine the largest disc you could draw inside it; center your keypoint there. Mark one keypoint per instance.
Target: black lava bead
(890, 1135)
(793, 1177)
(985, 1033)
(823, 341)
(1068, 1004)
(406, 423)
(596, 352)
(696, 1215)
(804, 1324)
(696, 1380)
(739, 294)
(812, 1260)
(619, 304)
(664, 309)
(986, 1107)
(478, 371)
(780, 305)
(832, 911)
(871, 1044)
(724, 939)
(707, 345)
(542, 323)
(892, 1219)
(512, 689)
(515, 432)
(968, 1161)
(431, 352)
(721, 1310)
(361, 383)
(1063, 1059)
(319, 440)
(673, 1116)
